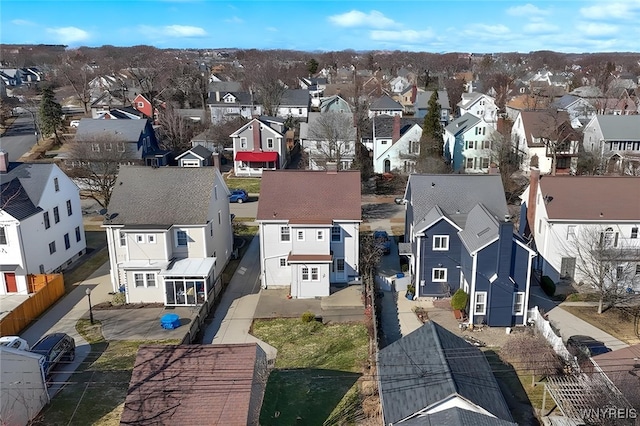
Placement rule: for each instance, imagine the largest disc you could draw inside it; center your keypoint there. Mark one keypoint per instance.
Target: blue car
(382, 241)
(238, 196)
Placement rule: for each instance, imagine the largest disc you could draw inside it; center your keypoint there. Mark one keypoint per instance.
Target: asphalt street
(19, 138)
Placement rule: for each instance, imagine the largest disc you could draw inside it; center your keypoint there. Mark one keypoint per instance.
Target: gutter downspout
(472, 295)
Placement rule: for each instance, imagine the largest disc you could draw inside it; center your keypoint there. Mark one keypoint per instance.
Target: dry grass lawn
(612, 321)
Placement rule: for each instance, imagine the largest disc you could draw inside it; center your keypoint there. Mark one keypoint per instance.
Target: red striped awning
(254, 157)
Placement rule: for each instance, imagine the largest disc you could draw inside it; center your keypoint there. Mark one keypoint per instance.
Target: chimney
(257, 143)
(534, 180)
(4, 162)
(414, 93)
(217, 96)
(332, 167)
(215, 157)
(396, 129)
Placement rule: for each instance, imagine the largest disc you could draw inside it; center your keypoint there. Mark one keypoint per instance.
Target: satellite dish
(103, 212)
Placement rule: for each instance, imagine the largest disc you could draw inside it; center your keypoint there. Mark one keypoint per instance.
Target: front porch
(252, 163)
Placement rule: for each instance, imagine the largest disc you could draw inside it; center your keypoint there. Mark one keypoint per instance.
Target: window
(270, 143)
(95, 147)
(67, 242)
(47, 224)
(471, 143)
(314, 274)
(340, 265)
(123, 239)
(383, 142)
(215, 192)
(480, 305)
(571, 231)
(140, 104)
(439, 275)
(181, 238)
(300, 235)
(285, 233)
(485, 163)
(336, 233)
(608, 238)
(151, 280)
(69, 208)
(634, 232)
(243, 142)
(283, 262)
(3, 236)
(320, 235)
(120, 146)
(108, 146)
(638, 269)
(518, 303)
(469, 163)
(56, 214)
(486, 144)
(56, 184)
(52, 247)
(305, 273)
(139, 280)
(440, 242)
(219, 218)
(151, 238)
(78, 234)
(139, 238)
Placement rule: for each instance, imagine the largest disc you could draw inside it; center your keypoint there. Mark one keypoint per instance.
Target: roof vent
(484, 231)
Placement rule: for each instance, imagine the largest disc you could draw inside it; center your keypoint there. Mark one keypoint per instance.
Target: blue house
(458, 234)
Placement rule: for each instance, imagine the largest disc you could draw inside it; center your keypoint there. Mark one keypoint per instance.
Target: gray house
(384, 105)
(459, 235)
(433, 377)
(197, 156)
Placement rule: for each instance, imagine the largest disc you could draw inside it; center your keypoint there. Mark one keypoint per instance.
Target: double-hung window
(56, 214)
(69, 208)
(305, 273)
(634, 232)
(3, 235)
(518, 303)
(320, 235)
(480, 303)
(78, 234)
(440, 242)
(123, 239)
(300, 235)
(67, 242)
(47, 224)
(285, 233)
(439, 275)
(181, 238)
(314, 274)
(336, 233)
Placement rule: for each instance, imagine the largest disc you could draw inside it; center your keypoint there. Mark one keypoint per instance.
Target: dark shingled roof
(430, 365)
(195, 385)
(28, 181)
(307, 195)
(122, 130)
(15, 200)
(162, 196)
(295, 98)
(385, 103)
(384, 125)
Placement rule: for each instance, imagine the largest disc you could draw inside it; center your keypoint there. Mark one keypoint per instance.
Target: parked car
(55, 347)
(382, 241)
(586, 346)
(74, 123)
(14, 342)
(238, 196)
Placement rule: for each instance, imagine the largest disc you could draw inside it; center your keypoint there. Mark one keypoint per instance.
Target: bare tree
(268, 86)
(602, 262)
(78, 74)
(504, 153)
(94, 163)
(533, 353)
(176, 131)
(334, 135)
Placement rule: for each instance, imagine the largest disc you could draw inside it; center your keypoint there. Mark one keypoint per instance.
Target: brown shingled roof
(312, 196)
(194, 385)
(545, 124)
(602, 198)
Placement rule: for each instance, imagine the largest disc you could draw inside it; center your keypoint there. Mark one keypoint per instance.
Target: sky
(437, 26)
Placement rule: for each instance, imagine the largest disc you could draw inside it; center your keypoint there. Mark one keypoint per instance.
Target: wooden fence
(47, 290)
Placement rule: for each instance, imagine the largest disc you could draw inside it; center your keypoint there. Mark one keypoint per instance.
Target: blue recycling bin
(170, 321)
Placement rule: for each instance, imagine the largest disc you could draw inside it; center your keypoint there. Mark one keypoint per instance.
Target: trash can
(170, 321)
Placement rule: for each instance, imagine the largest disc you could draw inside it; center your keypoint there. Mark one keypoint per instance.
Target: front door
(10, 279)
(568, 267)
(387, 166)
(339, 269)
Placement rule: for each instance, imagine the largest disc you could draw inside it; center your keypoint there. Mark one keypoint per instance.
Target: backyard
(316, 372)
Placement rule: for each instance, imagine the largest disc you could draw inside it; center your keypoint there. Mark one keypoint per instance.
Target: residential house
(144, 106)
(170, 245)
(558, 209)
(259, 145)
(623, 105)
(224, 86)
(480, 105)
(398, 84)
(196, 156)
(580, 110)
(295, 103)
(334, 103)
(136, 139)
(433, 377)
(385, 106)
(421, 105)
(522, 103)
(228, 105)
(125, 113)
(309, 230)
(41, 229)
(622, 368)
(542, 135)
(196, 385)
(373, 84)
(395, 143)
(329, 137)
(459, 235)
(468, 144)
(24, 388)
(616, 141)
(315, 86)
(108, 101)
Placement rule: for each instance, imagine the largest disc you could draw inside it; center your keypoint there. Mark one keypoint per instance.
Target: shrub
(308, 316)
(119, 299)
(548, 286)
(459, 300)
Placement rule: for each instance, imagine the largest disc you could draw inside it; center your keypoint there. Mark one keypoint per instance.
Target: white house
(229, 105)
(480, 105)
(558, 209)
(41, 228)
(395, 143)
(295, 103)
(259, 145)
(329, 137)
(309, 230)
(24, 388)
(170, 245)
(616, 141)
(384, 105)
(468, 143)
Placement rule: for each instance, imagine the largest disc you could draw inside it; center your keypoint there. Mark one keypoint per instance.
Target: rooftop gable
(619, 127)
(122, 130)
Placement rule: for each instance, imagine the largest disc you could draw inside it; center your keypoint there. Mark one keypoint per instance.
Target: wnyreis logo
(609, 413)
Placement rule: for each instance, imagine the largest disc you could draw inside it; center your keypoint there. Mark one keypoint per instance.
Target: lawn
(96, 392)
(315, 373)
(612, 321)
(251, 185)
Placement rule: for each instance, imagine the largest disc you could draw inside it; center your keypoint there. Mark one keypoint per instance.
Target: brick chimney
(534, 181)
(215, 157)
(257, 134)
(4, 162)
(396, 129)
(414, 93)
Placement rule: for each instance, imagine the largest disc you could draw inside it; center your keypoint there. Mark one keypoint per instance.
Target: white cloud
(526, 10)
(539, 28)
(355, 18)
(23, 22)
(68, 35)
(490, 29)
(272, 29)
(234, 20)
(597, 30)
(407, 36)
(626, 11)
(184, 31)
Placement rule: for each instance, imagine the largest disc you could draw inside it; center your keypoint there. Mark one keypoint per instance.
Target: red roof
(250, 156)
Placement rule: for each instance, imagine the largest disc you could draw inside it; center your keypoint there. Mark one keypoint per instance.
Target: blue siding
(520, 266)
(430, 259)
(523, 219)
(458, 158)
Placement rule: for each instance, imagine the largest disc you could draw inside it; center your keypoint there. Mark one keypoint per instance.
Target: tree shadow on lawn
(304, 396)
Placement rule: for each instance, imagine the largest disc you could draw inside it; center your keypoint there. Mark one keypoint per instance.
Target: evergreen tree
(312, 66)
(432, 142)
(50, 114)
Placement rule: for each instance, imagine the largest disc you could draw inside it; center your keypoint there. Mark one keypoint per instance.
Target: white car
(14, 342)
(74, 123)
